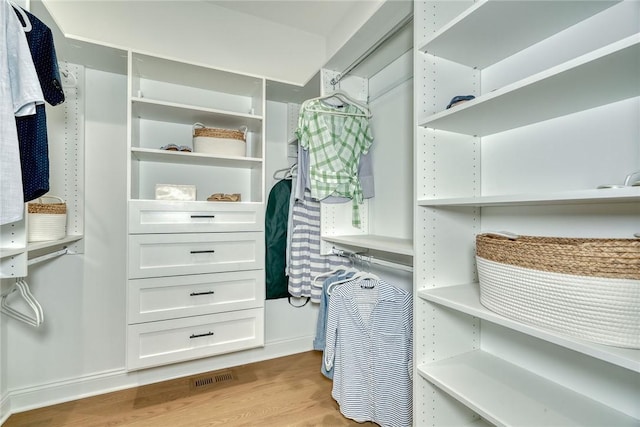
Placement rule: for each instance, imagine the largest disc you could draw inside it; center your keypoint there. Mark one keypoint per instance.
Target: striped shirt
(369, 346)
(335, 143)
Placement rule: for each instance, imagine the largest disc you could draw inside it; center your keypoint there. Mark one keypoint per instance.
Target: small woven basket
(219, 133)
(587, 288)
(220, 142)
(46, 221)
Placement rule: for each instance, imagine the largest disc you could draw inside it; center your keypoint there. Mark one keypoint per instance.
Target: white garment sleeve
(25, 86)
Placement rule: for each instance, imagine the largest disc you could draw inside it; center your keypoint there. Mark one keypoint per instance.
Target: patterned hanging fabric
(335, 137)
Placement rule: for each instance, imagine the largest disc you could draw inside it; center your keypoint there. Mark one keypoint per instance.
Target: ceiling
(285, 41)
(314, 16)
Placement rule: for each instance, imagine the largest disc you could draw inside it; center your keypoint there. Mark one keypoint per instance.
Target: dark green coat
(276, 219)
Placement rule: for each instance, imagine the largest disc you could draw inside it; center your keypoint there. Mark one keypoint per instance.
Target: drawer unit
(157, 255)
(181, 296)
(169, 341)
(153, 216)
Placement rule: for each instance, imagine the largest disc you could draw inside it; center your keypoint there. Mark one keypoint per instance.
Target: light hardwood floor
(288, 391)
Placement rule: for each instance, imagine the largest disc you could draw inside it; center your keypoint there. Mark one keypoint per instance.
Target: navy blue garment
(32, 130)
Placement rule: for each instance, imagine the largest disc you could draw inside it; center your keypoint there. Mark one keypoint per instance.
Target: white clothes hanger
(358, 277)
(27, 22)
(343, 98)
(38, 315)
(342, 270)
(288, 172)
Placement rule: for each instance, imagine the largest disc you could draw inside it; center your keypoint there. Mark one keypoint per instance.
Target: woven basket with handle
(46, 221)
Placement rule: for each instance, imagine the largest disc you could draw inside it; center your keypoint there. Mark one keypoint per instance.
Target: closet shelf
(608, 195)
(9, 252)
(476, 38)
(466, 299)
(505, 394)
(380, 243)
(39, 247)
(190, 158)
(172, 112)
(558, 91)
(190, 75)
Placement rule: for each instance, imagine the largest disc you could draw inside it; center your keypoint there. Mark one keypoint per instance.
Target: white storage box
(220, 142)
(175, 192)
(46, 221)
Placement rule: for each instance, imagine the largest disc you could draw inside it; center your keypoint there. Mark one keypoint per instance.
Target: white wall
(391, 103)
(196, 31)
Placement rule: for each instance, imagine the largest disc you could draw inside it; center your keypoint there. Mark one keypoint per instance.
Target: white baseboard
(5, 408)
(28, 398)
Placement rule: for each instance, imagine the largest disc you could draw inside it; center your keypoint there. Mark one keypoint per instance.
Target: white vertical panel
(65, 123)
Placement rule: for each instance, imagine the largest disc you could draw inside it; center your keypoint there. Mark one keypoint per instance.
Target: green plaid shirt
(335, 144)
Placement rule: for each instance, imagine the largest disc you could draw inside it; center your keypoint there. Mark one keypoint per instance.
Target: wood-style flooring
(288, 391)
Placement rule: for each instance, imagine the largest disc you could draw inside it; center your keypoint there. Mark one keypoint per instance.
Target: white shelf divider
(466, 299)
(380, 243)
(605, 195)
(476, 38)
(558, 91)
(188, 114)
(190, 158)
(507, 395)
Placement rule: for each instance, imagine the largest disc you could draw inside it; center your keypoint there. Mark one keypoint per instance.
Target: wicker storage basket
(586, 288)
(46, 221)
(221, 142)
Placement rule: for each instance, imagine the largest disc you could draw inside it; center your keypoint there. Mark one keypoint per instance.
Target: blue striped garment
(369, 346)
(305, 261)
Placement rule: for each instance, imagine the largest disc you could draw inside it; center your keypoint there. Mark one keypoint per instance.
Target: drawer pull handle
(208, 334)
(203, 216)
(195, 294)
(210, 251)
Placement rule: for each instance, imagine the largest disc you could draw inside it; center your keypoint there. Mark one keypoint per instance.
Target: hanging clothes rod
(55, 254)
(334, 81)
(372, 260)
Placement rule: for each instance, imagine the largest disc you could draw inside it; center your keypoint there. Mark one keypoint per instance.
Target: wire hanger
(343, 98)
(22, 287)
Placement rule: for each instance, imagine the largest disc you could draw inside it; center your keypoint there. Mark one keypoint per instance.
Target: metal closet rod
(334, 81)
(370, 259)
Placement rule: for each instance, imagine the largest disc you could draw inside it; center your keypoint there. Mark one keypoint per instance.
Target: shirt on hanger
(319, 342)
(32, 130)
(19, 93)
(335, 143)
(369, 345)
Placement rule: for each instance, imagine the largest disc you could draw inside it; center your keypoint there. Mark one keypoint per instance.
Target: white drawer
(157, 255)
(165, 298)
(170, 341)
(154, 216)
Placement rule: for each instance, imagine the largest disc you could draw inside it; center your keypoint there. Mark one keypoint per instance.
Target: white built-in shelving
(555, 115)
(195, 267)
